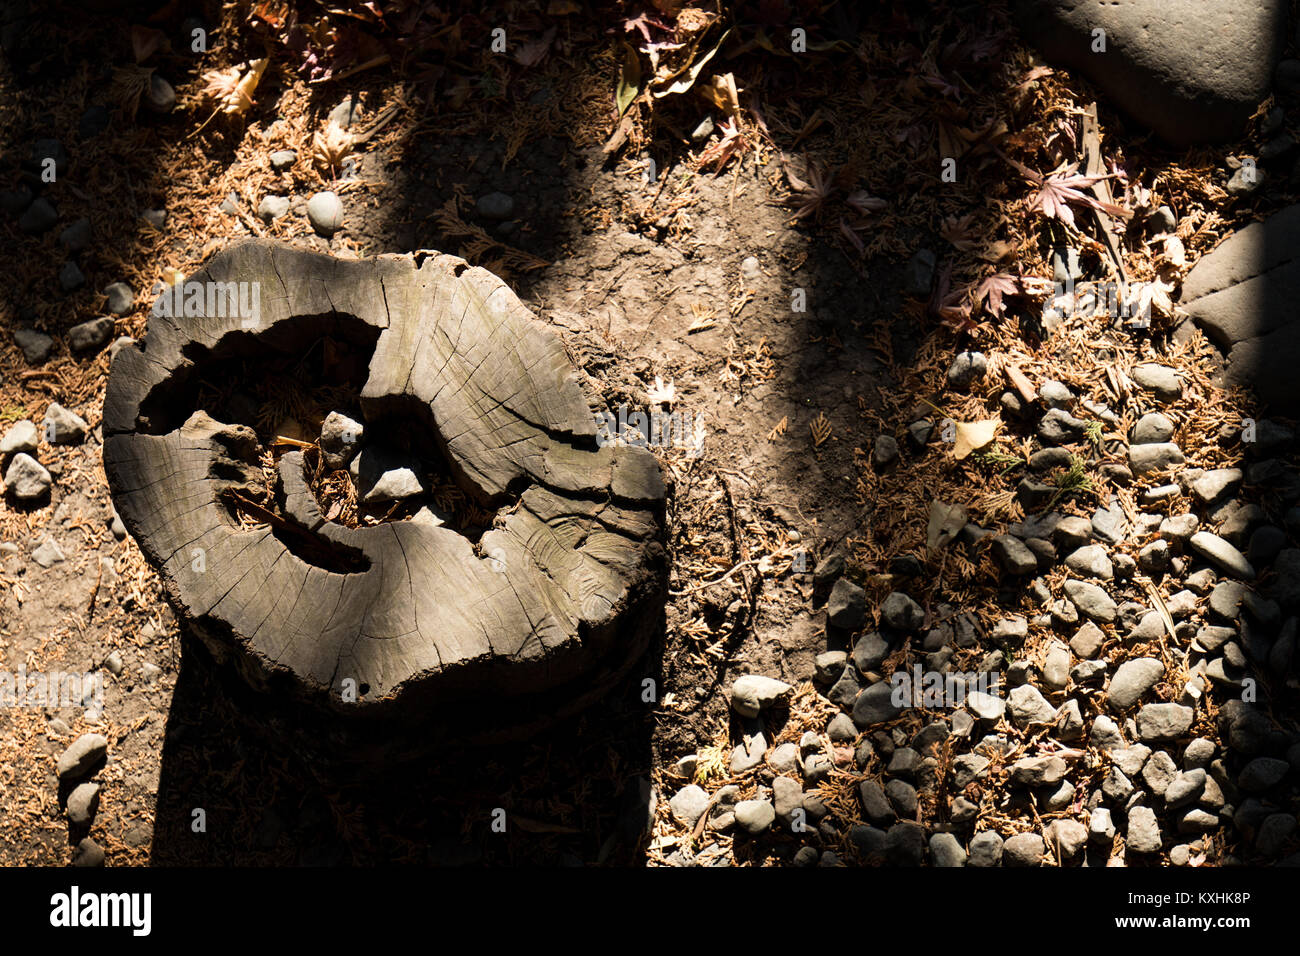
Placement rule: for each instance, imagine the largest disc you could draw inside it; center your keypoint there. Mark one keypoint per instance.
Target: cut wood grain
(452, 637)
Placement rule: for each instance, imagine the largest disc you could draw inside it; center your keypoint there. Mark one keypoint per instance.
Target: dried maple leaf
(662, 394)
(946, 522)
(1062, 187)
(863, 203)
(219, 85)
(950, 306)
(960, 232)
(851, 234)
(1035, 74)
(530, 54)
(245, 89)
(231, 90)
(642, 23)
(810, 197)
(1057, 191)
(717, 155)
(994, 288)
(331, 146)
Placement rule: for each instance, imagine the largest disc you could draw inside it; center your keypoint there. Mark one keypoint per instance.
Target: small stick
(90, 613)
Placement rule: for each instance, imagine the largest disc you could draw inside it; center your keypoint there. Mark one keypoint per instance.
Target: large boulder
(1192, 70)
(1241, 294)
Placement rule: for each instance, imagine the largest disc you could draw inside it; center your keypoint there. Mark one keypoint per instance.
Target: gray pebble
(1152, 429)
(27, 479)
(847, 607)
(273, 207)
(161, 96)
(1132, 679)
(1156, 457)
(82, 804)
(901, 613)
(966, 369)
(1213, 485)
(1067, 838)
(829, 665)
(905, 844)
(1222, 555)
(1024, 850)
(755, 816)
(1101, 829)
(688, 804)
(785, 757)
(71, 277)
(1091, 600)
(39, 217)
(120, 298)
(986, 849)
(495, 206)
(1143, 835)
(89, 854)
(347, 112)
(841, 729)
(1262, 773)
(753, 693)
(325, 212)
(1012, 554)
(90, 336)
(1162, 221)
(63, 427)
(1059, 427)
(945, 851)
(1055, 394)
(82, 756)
(77, 236)
(22, 436)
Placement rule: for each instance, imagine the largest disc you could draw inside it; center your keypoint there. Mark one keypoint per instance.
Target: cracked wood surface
(559, 593)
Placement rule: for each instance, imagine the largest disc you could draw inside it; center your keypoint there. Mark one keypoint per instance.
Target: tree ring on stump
(400, 636)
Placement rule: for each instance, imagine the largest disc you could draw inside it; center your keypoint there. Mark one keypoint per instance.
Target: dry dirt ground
(641, 270)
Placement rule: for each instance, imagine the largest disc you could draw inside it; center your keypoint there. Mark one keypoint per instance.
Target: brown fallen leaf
(530, 54)
(245, 89)
(331, 146)
(721, 92)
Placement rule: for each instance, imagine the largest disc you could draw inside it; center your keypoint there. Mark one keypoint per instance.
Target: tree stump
(396, 637)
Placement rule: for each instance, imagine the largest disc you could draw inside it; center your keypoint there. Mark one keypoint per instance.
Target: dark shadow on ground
(576, 793)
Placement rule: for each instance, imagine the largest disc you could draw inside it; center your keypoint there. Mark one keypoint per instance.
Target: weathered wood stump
(441, 639)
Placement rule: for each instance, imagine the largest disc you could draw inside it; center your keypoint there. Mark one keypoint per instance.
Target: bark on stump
(446, 640)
